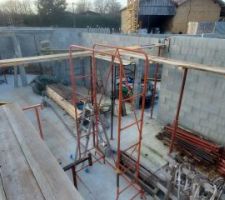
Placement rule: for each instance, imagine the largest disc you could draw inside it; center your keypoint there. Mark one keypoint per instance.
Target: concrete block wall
(203, 108)
(30, 38)
(89, 39)
(30, 43)
(6, 46)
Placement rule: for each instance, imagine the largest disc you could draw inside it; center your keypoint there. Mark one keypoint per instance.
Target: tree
(101, 6)
(13, 11)
(51, 12)
(111, 7)
(83, 6)
(114, 7)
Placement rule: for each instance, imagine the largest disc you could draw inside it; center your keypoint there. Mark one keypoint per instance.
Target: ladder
(86, 125)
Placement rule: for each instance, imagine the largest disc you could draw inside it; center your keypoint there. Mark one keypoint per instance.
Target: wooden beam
(177, 63)
(62, 97)
(152, 59)
(39, 59)
(189, 65)
(61, 101)
(28, 168)
(18, 181)
(53, 57)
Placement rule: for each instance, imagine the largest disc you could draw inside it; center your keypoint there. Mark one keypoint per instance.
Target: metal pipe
(129, 125)
(74, 176)
(33, 106)
(119, 112)
(36, 109)
(175, 126)
(140, 128)
(73, 85)
(112, 99)
(107, 78)
(39, 122)
(94, 94)
(155, 85)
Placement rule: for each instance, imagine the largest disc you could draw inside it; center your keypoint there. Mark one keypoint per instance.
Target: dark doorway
(154, 23)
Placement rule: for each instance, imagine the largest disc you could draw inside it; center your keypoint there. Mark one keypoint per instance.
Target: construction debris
(176, 181)
(197, 149)
(40, 83)
(89, 105)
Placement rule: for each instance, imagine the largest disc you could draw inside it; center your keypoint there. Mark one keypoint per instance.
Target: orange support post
(36, 109)
(176, 120)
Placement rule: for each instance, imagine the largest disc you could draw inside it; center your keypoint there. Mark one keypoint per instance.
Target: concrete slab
(100, 182)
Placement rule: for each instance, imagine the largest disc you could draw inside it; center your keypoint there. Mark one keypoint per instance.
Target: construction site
(98, 116)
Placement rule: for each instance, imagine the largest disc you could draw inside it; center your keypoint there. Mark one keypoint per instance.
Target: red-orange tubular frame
(138, 122)
(92, 98)
(155, 85)
(36, 110)
(121, 170)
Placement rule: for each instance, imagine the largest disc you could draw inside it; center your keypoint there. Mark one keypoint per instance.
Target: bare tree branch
(107, 6)
(83, 6)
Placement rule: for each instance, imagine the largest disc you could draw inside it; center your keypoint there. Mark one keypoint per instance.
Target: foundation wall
(30, 38)
(203, 108)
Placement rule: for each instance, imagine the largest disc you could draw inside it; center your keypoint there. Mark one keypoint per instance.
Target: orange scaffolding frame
(114, 53)
(138, 122)
(92, 98)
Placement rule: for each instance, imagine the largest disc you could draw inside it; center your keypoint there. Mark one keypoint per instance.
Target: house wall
(124, 21)
(156, 7)
(194, 11)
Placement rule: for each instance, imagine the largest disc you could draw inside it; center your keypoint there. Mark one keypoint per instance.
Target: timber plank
(61, 95)
(62, 101)
(53, 57)
(51, 179)
(177, 63)
(17, 177)
(152, 59)
(39, 59)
